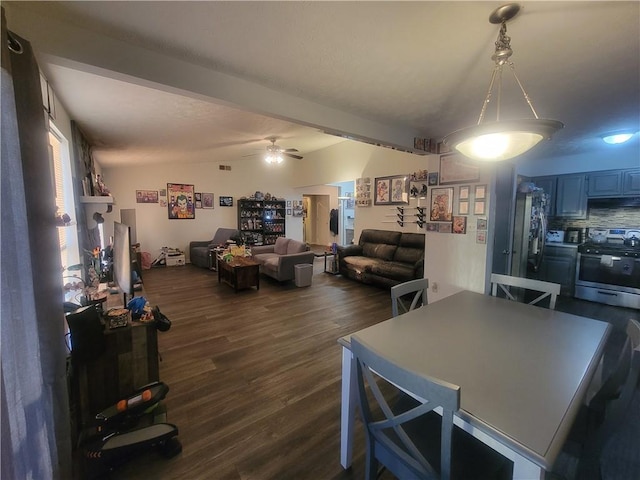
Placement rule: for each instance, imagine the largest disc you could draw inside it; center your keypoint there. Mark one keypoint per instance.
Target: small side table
(214, 253)
(332, 268)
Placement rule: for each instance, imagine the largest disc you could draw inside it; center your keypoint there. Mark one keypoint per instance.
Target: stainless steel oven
(609, 273)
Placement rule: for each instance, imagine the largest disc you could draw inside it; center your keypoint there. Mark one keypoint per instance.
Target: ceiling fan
(276, 154)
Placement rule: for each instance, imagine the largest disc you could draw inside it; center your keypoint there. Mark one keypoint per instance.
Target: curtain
(36, 440)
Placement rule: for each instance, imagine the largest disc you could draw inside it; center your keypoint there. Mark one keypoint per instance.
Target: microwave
(555, 236)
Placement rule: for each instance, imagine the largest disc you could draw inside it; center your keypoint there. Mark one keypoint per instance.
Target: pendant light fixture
(502, 139)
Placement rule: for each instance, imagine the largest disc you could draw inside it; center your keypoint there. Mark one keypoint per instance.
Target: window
(64, 197)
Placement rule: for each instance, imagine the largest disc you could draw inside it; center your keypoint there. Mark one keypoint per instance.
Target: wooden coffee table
(240, 273)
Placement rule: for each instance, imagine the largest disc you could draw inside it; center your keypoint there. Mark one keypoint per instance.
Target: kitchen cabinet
(631, 182)
(567, 194)
(571, 196)
(605, 184)
(559, 266)
(614, 183)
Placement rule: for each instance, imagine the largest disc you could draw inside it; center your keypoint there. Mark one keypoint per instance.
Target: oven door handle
(598, 256)
(611, 294)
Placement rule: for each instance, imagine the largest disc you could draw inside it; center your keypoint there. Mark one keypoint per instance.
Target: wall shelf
(95, 204)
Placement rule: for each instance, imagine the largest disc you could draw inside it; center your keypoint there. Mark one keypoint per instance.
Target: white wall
(155, 230)
(452, 262)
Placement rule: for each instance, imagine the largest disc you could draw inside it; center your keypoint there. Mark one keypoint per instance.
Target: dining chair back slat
(418, 288)
(547, 289)
(416, 439)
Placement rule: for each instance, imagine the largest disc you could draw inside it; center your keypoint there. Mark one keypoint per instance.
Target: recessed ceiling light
(615, 138)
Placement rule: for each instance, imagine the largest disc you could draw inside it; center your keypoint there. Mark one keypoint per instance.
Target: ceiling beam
(74, 47)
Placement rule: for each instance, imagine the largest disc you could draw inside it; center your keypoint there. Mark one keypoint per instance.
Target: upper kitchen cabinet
(631, 182)
(571, 196)
(614, 183)
(605, 184)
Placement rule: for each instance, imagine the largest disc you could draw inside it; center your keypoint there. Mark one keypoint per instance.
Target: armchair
(199, 249)
(277, 261)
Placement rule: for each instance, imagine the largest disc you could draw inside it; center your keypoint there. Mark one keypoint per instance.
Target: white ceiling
(421, 68)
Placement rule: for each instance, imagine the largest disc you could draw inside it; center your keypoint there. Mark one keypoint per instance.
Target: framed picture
(456, 168)
(363, 192)
(392, 190)
(432, 227)
(289, 203)
(198, 197)
(288, 211)
(463, 207)
(226, 201)
(444, 227)
(433, 179)
(481, 237)
(181, 201)
(459, 225)
(146, 196)
(480, 192)
(441, 204)
(298, 209)
(207, 200)
(163, 192)
(464, 192)
(418, 143)
(482, 224)
(479, 207)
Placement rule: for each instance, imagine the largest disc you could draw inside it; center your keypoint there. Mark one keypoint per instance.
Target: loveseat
(278, 260)
(199, 249)
(383, 258)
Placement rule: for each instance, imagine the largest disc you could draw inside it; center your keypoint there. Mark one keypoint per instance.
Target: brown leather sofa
(383, 258)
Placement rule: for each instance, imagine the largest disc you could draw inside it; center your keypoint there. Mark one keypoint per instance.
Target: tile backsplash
(601, 217)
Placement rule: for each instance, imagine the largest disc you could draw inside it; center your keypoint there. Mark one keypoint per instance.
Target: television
(122, 274)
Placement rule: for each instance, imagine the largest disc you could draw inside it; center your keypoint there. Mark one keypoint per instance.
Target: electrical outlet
(434, 287)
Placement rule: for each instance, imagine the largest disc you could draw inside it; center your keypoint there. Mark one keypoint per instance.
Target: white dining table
(523, 370)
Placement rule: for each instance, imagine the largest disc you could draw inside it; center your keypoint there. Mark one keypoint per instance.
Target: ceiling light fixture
(615, 138)
(274, 153)
(273, 158)
(502, 139)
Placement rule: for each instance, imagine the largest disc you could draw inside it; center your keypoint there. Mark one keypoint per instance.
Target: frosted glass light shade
(616, 138)
(498, 141)
(273, 158)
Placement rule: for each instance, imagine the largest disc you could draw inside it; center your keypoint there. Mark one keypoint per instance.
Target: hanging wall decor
(181, 201)
(146, 196)
(207, 200)
(392, 190)
(441, 204)
(456, 168)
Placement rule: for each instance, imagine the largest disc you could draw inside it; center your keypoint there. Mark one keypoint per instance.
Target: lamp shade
(617, 137)
(502, 140)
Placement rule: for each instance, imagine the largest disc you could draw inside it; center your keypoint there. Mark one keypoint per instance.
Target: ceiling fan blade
(288, 150)
(250, 155)
(293, 156)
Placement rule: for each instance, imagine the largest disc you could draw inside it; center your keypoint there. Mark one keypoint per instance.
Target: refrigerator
(529, 234)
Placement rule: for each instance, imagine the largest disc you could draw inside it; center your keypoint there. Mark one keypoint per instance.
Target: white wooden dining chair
(407, 436)
(547, 289)
(418, 287)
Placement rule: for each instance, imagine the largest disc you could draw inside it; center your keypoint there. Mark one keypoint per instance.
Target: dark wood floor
(255, 376)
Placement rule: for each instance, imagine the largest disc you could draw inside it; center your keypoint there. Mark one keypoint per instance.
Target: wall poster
(181, 201)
